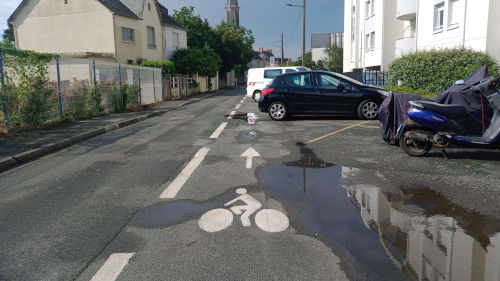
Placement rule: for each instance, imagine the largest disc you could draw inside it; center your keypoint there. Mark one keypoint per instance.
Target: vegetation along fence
(37, 92)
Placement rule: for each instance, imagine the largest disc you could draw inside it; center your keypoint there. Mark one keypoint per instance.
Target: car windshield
(356, 82)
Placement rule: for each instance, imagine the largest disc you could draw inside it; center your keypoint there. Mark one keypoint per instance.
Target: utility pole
(304, 36)
(282, 53)
(303, 31)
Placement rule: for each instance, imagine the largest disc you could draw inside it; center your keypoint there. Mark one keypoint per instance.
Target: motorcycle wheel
(413, 147)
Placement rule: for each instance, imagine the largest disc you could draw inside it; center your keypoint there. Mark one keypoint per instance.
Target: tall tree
(8, 34)
(199, 32)
(202, 61)
(234, 45)
(334, 60)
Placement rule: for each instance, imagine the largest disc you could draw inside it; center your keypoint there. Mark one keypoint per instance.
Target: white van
(258, 78)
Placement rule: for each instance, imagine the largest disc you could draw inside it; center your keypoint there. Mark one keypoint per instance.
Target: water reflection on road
(384, 232)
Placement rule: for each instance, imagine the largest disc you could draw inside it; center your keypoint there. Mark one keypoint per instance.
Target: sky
(266, 18)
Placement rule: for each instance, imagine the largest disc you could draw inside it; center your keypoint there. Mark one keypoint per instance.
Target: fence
(369, 77)
(68, 88)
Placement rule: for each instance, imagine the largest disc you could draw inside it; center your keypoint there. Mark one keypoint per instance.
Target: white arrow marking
(250, 154)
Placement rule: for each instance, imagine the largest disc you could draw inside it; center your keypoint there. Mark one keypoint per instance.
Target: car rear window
(271, 73)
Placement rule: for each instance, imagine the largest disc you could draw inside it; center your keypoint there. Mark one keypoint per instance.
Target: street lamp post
(303, 31)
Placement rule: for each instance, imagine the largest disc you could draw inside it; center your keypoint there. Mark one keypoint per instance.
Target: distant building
(263, 59)
(123, 31)
(321, 41)
(233, 12)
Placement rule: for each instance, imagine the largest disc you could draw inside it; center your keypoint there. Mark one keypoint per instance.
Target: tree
(234, 45)
(334, 60)
(199, 32)
(202, 61)
(8, 34)
(309, 62)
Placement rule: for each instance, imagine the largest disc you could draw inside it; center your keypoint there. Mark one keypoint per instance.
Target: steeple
(233, 12)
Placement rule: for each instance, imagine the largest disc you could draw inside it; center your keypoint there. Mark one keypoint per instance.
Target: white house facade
(379, 31)
(370, 30)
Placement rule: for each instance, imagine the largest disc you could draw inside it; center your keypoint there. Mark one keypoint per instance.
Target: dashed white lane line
(174, 187)
(113, 267)
(238, 106)
(218, 131)
(231, 115)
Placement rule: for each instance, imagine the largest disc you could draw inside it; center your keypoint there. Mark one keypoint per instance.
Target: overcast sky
(266, 18)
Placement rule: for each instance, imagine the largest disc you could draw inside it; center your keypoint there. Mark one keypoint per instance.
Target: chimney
(261, 50)
(270, 51)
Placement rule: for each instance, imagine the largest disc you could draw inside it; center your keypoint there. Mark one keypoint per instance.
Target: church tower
(233, 12)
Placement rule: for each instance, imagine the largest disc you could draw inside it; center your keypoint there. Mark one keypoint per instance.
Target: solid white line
(181, 179)
(237, 107)
(113, 267)
(231, 115)
(219, 130)
(242, 101)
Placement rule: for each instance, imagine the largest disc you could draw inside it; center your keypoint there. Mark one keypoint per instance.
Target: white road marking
(176, 185)
(219, 130)
(231, 115)
(242, 101)
(271, 220)
(113, 267)
(249, 154)
(237, 107)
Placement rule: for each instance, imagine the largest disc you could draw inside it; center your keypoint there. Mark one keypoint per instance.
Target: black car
(320, 92)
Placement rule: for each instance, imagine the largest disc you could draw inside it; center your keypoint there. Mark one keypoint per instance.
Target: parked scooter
(431, 124)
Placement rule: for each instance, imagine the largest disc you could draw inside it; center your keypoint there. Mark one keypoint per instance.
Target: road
(328, 201)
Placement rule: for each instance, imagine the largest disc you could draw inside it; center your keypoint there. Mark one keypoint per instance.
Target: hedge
(167, 67)
(436, 70)
(406, 89)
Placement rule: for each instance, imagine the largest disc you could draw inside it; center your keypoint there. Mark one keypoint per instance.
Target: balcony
(407, 10)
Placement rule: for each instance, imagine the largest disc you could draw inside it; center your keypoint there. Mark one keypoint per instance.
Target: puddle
(383, 232)
(246, 137)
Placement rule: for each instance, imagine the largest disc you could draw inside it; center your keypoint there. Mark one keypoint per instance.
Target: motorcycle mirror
(460, 82)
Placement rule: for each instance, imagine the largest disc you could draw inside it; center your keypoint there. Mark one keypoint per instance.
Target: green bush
(167, 67)
(406, 89)
(436, 70)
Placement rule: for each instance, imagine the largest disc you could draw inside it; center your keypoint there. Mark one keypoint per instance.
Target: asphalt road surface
(200, 194)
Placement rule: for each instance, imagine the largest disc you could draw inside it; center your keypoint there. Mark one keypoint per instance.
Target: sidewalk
(25, 147)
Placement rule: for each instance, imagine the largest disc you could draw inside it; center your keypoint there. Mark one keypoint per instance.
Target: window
(130, 62)
(453, 14)
(151, 37)
(367, 42)
(372, 41)
(65, 1)
(298, 80)
(373, 7)
(271, 73)
(438, 16)
(128, 34)
(328, 82)
(290, 70)
(367, 9)
(176, 41)
(149, 7)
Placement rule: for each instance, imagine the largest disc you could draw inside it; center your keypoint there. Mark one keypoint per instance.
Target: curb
(30, 155)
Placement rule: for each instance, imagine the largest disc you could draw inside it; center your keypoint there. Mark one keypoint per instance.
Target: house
(371, 30)
(321, 41)
(123, 31)
(377, 31)
(262, 59)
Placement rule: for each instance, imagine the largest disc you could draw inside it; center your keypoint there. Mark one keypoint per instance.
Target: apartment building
(449, 23)
(370, 30)
(379, 31)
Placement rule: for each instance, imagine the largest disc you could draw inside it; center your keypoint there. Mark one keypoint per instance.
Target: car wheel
(278, 111)
(256, 96)
(368, 110)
